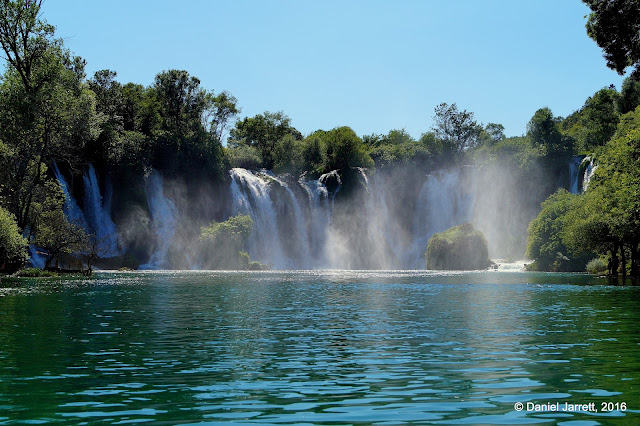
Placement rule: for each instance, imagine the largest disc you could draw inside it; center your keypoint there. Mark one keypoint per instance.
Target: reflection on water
(328, 347)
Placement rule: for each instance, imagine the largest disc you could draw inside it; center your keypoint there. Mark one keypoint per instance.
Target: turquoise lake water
(319, 347)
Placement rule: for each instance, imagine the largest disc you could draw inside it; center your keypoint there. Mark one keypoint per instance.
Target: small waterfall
(301, 237)
(444, 201)
(250, 195)
(574, 174)
(71, 209)
(331, 179)
(319, 221)
(387, 246)
(163, 215)
(589, 169)
(98, 216)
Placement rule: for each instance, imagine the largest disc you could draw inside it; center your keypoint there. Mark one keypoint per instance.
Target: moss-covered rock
(459, 248)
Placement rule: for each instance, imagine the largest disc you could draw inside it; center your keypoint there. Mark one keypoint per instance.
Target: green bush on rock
(13, 247)
(222, 243)
(459, 248)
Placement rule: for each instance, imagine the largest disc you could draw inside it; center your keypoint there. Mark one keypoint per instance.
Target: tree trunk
(623, 258)
(613, 263)
(635, 266)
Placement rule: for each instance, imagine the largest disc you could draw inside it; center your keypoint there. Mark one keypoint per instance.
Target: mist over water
(349, 219)
(382, 223)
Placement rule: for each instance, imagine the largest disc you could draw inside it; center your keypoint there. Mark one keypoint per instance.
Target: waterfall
(98, 215)
(298, 224)
(574, 174)
(444, 201)
(72, 211)
(589, 169)
(250, 195)
(344, 219)
(163, 216)
(332, 178)
(319, 221)
(300, 239)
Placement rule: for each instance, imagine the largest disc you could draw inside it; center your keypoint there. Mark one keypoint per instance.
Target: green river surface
(319, 347)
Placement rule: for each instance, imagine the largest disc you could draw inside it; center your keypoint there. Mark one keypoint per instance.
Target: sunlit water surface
(317, 348)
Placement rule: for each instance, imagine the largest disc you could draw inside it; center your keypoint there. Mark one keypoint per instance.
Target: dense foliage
(458, 248)
(604, 220)
(615, 25)
(223, 243)
(13, 247)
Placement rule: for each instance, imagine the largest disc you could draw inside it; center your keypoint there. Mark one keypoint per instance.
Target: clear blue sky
(372, 65)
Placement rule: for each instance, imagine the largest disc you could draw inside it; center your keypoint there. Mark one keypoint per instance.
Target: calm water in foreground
(318, 348)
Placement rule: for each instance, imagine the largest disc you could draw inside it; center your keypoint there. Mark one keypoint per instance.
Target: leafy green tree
(344, 149)
(54, 233)
(629, 98)
(263, 132)
(223, 243)
(545, 244)
(45, 110)
(543, 130)
(617, 180)
(314, 153)
(13, 247)
(615, 26)
(288, 155)
(398, 147)
(492, 134)
(457, 129)
(587, 227)
(190, 121)
(245, 156)
(595, 123)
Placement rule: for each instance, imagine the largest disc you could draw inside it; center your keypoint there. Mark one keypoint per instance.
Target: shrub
(35, 273)
(597, 266)
(13, 247)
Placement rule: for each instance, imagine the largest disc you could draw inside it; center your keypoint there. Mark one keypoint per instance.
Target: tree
(615, 26)
(54, 233)
(545, 244)
(617, 180)
(544, 132)
(189, 123)
(223, 107)
(595, 123)
(222, 243)
(344, 149)
(629, 98)
(25, 40)
(263, 131)
(456, 128)
(13, 247)
(45, 110)
(587, 227)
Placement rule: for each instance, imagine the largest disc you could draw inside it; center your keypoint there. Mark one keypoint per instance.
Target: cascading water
(305, 229)
(574, 174)
(251, 196)
(71, 209)
(98, 215)
(589, 169)
(163, 216)
(319, 221)
(444, 201)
